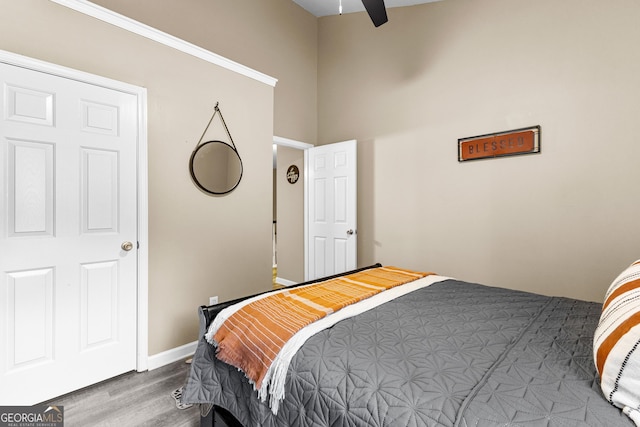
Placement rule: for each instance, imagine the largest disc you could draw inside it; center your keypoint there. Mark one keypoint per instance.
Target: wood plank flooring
(131, 400)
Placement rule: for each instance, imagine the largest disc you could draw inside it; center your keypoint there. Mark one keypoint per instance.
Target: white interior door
(331, 209)
(68, 203)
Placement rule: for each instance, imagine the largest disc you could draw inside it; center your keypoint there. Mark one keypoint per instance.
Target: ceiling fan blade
(376, 10)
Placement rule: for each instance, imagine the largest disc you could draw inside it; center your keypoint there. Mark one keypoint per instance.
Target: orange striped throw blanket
(251, 337)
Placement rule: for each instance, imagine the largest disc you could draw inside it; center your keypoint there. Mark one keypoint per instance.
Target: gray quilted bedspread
(451, 354)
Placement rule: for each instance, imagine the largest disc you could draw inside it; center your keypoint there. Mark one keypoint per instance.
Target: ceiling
(330, 7)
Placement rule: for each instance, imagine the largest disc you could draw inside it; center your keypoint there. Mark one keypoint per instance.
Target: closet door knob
(350, 232)
(126, 246)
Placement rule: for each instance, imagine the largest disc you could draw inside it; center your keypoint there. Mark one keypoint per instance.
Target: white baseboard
(285, 282)
(184, 351)
(161, 359)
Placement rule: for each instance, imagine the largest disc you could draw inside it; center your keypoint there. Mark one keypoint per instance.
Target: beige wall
(290, 214)
(563, 222)
(199, 245)
(276, 37)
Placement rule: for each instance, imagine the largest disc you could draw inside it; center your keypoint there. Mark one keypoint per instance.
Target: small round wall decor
(293, 173)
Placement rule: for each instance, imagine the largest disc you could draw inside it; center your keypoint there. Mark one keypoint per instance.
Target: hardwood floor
(132, 399)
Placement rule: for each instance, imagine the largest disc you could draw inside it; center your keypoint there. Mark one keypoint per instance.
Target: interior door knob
(350, 232)
(126, 246)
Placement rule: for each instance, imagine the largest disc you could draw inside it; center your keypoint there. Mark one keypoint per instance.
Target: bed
(449, 353)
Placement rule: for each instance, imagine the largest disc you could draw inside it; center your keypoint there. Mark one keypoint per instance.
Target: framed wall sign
(501, 144)
(293, 173)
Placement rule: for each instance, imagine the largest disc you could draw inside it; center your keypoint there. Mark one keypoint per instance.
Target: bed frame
(219, 417)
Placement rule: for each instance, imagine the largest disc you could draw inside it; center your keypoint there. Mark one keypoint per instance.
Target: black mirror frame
(199, 184)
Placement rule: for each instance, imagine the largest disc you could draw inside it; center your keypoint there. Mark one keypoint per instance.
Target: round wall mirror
(216, 167)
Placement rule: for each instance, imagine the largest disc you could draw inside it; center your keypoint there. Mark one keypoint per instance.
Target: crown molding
(91, 9)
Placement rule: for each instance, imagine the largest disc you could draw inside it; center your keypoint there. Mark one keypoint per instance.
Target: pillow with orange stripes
(616, 343)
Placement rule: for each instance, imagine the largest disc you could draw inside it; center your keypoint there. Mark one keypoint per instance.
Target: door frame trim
(142, 347)
(291, 143)
(299, 145)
